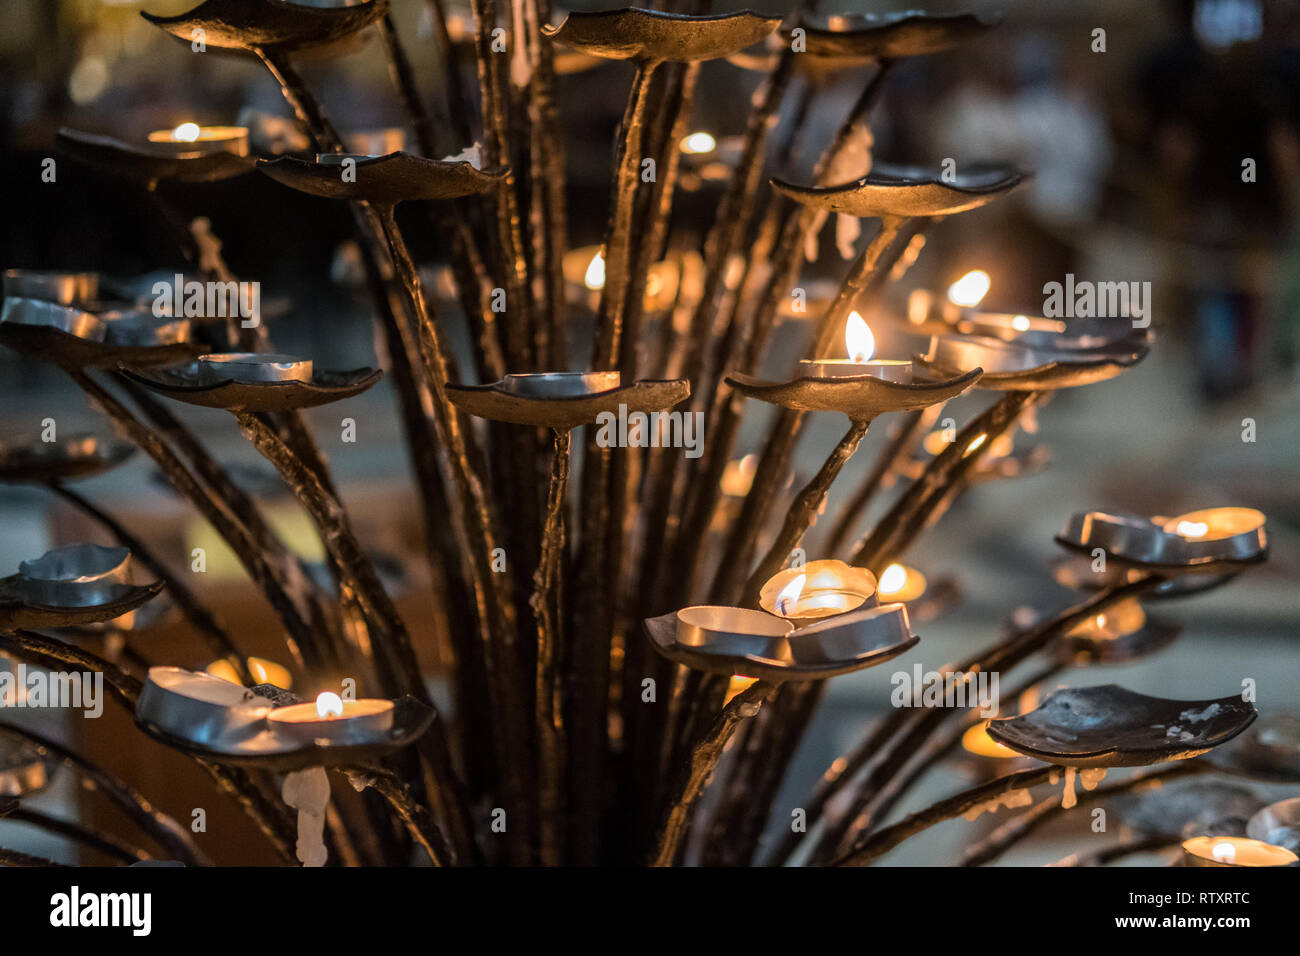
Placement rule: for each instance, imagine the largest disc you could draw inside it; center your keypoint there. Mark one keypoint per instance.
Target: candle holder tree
(598, 713)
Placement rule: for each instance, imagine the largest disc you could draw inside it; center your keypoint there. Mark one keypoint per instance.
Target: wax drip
(1068, 798)
(308, 792)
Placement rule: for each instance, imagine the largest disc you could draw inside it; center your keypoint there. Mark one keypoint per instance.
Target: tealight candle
(77, 575)
(1235, 851)
(861, 345)
(192, 138)
(330, 717)
(901, 584)
(561, 384)
(977, 741)
(1215, 524)
(738, 476)
(818, 589)
(1125, 618)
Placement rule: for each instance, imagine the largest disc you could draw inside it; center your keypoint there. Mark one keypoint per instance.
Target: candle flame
(1224, 852)
(1020, 323)
(595, 277)
(892, 579)
(329, 705)
(975, 444)
(789, 595)
(1192, 529)
(186, 133)
(970, 289)
(698, 143)
(858, 340)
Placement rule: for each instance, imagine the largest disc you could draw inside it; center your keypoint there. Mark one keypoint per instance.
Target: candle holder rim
(147, 164)
(19, 611)
(1128, 740)
(324, 387)
(869, 36)
(80, 455)
(391, 179)
(254, 24)
(637, 33)
(860, 397)
(905, 191)
(1058, 373)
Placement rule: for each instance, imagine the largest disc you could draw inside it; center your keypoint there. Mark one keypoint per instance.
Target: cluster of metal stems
(547, 659)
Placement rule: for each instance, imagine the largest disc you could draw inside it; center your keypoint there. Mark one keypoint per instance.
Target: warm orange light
(975, 444)
(1020, 323)
(186, 133)
(738, 476)
(1192, 529)
(595, 277)
(977, 741)
(329, 704)
(970, 289)
(738, 685)
(858, 340)
(698, 143)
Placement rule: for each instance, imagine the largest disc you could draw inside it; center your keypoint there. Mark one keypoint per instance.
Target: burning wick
(892, 579)
(595, 277)
(1192, 529)
(698, 143)
(186, 133)
(1224, 853)
(789, 596)
(858, 340)
(970, 290)
(329, 704)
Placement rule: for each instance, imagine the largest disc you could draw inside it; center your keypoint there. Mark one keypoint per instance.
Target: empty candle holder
(1268, 751)
(72, 586)
(908, 191)
(1013, 365)
(252, 382)
(1108, 726)
(261, 25)
(565, 400)
(76, 456)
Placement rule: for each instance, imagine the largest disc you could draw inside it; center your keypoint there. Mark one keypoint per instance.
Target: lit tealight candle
(901, 584)
(331, 717)
(1127, 617)
(738, 476)
(1214, 524)
(1235, 851)
(818, 589)
(697, 143)
(977, 741)
(193, 138)
(860, 345)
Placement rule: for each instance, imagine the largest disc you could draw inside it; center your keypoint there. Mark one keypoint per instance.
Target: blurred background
(1171, 157)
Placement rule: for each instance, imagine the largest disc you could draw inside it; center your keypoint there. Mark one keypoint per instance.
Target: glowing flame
(595, 277)
(892, 579)
(970, 289)
(329, 705)
(698, 143)
(1192, 529)
(789, 595)
(858, 340)
(186, 133)
(1224, 853)
(1020, 323)
(975, 444)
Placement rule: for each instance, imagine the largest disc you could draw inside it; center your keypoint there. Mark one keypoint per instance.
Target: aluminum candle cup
(817, 590)
(561, 384)
(140, 327)
(887, 370)
(250, 367)
(1234, 851)
(852, 635)
(51, 315)
(65, 288)
(733, 630)
(1198, 537)
(199, 708)
(331, 719)
(78, 575)
(1221, 534)
(190, 138)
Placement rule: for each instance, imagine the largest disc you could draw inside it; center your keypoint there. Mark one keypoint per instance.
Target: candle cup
(206, 140)
(199, 708)
(1234, 851)
(828, 587)
(876, 632)
(360, 720)
(50, 315)
(560, 384)
(77, 575)
(1185, 543)
(65, 288)
(252, 367)
(887, 370)
(137, 328)
(732, 630)
(1221, 534)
